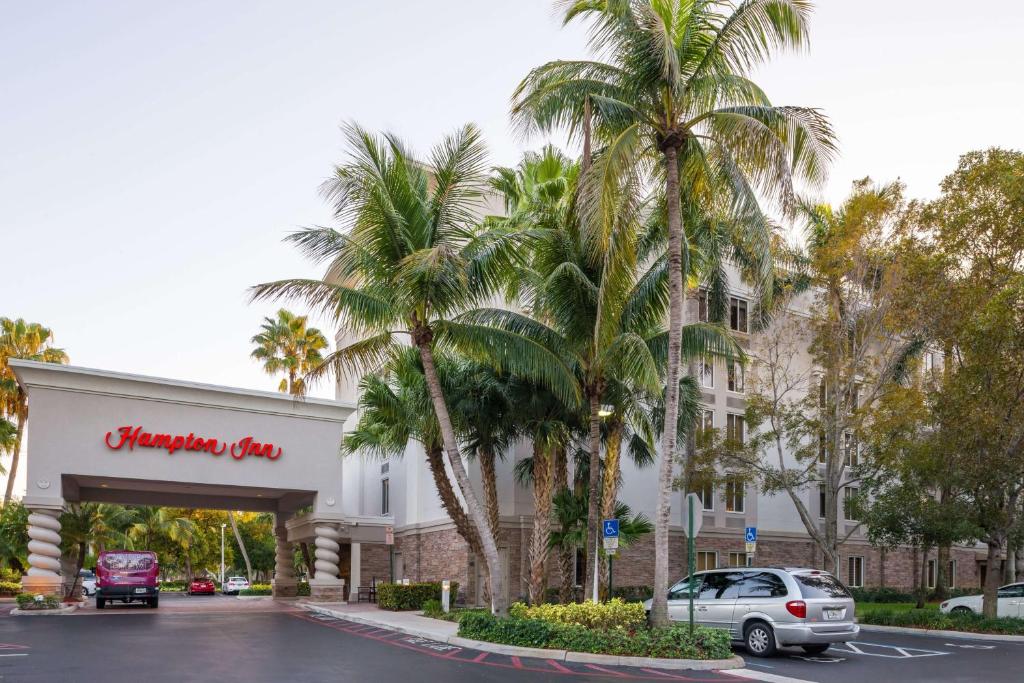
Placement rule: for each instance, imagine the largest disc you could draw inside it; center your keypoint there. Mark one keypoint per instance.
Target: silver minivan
(769, 607)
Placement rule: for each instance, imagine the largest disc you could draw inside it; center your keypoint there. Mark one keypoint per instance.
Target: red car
(201, 587)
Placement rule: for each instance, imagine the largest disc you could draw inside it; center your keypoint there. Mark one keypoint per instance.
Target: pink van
(127, 575)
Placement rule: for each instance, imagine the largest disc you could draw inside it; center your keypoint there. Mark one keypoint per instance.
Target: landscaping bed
(614, 628)
(933, 620)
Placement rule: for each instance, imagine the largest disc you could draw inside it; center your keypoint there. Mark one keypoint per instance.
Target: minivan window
(720, 586)
(681, 591)
(762, 585)
(821, 586)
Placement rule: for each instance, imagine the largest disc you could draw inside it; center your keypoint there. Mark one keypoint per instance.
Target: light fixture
(605, 410)
(103, 486)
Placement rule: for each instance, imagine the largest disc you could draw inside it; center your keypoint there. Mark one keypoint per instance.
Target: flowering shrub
(257, 589)
(28, 601)
(10, 587)
(614, 614)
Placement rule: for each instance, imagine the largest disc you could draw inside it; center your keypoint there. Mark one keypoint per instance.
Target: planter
(57, 612)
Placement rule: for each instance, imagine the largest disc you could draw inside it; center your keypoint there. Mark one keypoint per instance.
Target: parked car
(127, 576)
(766, 608)
(201, 586)
(1009, 602)
(88, 579)
(235, 584)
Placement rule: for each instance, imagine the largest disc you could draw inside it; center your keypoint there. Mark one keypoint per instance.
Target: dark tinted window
(720, 586)
(1014, 591)
(762, 585)
(821, 586)
(680, 591)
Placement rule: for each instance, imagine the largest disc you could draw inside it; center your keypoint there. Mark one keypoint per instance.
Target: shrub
(397, 597)
(432, 608)
(673, 642)
(303, 589)
(592, 615)
(9, 588)
(8, 575)
(257, 589)
(29, 601)
(933, 619)
(881, 595)
(633, 593)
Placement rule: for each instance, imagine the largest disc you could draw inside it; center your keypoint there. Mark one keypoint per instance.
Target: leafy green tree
(673, 98)
(25, 341)
(14, 535)
(410, 258)
(89, 524)
(286, 345)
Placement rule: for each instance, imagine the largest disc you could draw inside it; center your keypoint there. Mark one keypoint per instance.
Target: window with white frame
(741, 560)
(706, 493)
(385, 496)
(821, 501)
(736, 380)
(850, 494)
(735, 428)
(735, 488)
(707, 559)
(738, 315)
(702, 305)
(933, 568)
(855, 572)
(951, 574)
(850, 450)
(707, 420)
(706, 368)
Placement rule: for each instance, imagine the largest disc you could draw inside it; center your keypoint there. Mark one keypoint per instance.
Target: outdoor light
(605, 410)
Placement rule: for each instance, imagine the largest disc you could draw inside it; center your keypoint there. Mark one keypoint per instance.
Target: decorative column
(355, 576)
(43, 575)
(283, 585)
(326, 586)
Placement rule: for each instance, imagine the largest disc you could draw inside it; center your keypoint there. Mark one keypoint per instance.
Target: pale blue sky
(152, 155)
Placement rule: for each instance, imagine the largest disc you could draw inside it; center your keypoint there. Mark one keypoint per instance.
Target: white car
(235, 584)
(88, 582)
(1009, 604)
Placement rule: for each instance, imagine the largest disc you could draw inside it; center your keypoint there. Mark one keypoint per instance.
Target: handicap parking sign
(750, 534)
(610, 528)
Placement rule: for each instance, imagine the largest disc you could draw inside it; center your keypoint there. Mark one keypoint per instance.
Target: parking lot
(226, 639)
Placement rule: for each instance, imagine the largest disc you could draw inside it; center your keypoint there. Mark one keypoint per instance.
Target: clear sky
(152, 155)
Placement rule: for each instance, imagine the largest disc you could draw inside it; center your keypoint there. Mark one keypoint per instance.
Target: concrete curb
(963, 635)
(734, 662)
(254, 597)
(59, 612)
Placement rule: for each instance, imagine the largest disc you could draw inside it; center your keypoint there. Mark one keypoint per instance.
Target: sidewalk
(415, 624)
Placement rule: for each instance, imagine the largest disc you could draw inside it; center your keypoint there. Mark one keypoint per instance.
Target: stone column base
(327, 590)
(41, 585)
(284, 588)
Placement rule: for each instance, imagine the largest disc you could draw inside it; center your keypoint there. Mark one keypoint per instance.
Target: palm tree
(85, 524)
(286, 345)
(409, 259)
(26, 341)
(241, 545)
(673, 99)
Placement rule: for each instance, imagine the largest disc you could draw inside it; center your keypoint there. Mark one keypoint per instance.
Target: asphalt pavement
(223, 639)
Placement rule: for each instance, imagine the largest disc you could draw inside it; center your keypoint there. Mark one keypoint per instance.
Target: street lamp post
(222, 555)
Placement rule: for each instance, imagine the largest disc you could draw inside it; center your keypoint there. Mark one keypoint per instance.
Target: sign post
(610, 532)
(446, 593)
(750, 538)
(389, 541)
(693, 519)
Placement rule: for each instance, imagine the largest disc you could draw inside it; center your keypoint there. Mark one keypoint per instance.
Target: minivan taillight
(798, 608)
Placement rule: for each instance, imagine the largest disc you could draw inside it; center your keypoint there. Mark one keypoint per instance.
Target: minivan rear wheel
(815, 649)
(759, 639)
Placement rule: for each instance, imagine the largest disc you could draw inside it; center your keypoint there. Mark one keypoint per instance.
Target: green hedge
(29, 601)
(895, 595)
(633, 593)
(597, 615)
(9, 588)
(257, 589)
(396, 597)
(303, 589)
(673, 642)
(933, 619)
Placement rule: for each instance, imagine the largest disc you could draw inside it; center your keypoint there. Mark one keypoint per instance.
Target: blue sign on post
(750, 534)
(610, 528)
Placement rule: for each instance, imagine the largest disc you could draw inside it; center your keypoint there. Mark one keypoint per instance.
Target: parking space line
(751, 674)
(904, 652)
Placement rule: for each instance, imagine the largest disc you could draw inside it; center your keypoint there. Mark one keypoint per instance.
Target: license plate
(140, 590)
(833, 614)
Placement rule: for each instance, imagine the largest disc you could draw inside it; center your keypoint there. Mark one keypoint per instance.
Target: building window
(706, 369)
(706, 493)
(734, 490)
(738, 315)
(821, 501)
(385, 496)
(702, 306)
(735, 428)
(822, 447)
(951, 574)
(933, 568)
(850, 449)
(850, 494)
(736, 382)
(707, 420)
(929, 363)
(706, 559)
(855, 572)
(741, 560)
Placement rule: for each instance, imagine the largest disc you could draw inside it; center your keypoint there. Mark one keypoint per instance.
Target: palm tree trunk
(542, 467)
(566, 556)
(942, 572)
(490, 482)
(499, 602)
(16, 453)
(585, 161)
(188, 567)
(612, 465)
(594, 500)
(241, 545)
(450, 501)
(663, 508)
(307, 559)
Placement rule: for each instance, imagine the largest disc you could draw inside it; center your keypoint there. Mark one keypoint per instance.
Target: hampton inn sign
(111, 437)
(132, 436)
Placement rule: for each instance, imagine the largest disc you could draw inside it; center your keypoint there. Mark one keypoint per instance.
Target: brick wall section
(375, 562)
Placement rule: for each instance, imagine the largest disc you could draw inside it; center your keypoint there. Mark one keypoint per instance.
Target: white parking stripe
(854, 648)
(762, 676)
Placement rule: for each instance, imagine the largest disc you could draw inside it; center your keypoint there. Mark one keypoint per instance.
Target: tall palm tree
(285, 344)
(241, 544)
(26, 341)
(85, 524)
(410, 258)
(672, 97)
